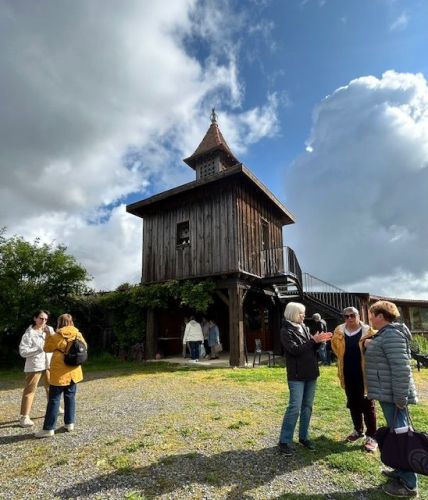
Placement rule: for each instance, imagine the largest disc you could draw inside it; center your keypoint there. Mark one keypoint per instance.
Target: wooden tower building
(225, 225)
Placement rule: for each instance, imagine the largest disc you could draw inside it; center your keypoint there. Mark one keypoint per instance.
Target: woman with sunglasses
(36, 363)
(347, 346)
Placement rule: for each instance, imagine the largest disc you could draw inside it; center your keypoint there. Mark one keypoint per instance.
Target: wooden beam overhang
(148, 205)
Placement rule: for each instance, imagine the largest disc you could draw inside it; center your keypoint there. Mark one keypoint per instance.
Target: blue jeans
(194, 349)
(55, 392)
(322, 353)
(408, 478)
(301, 399)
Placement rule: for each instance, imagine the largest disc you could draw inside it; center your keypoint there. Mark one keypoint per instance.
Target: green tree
(32, 276)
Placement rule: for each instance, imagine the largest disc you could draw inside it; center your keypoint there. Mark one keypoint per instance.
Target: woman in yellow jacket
(346, 345)
(63, 378)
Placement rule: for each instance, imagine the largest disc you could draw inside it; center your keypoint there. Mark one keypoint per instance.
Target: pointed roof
(212, 141)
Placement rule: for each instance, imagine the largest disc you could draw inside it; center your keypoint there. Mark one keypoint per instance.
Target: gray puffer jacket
(387, 365)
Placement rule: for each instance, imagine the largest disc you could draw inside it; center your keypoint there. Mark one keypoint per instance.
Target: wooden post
(276, 326)
(236, 326)
(150, 334)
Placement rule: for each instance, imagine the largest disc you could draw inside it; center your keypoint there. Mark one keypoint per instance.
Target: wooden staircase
(289, 283)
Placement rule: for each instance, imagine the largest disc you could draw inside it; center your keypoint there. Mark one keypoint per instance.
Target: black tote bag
(406, 451)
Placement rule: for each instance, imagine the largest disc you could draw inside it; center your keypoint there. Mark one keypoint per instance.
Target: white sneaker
(61, 411)
(44, 434)
(25, 421)
(69, 427)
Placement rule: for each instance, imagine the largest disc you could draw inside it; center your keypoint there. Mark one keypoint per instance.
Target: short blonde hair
(388, 309)
(292, 311)
(64, 320)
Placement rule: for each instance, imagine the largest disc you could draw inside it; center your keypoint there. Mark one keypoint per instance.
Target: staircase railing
(280, 261)
(328, 294)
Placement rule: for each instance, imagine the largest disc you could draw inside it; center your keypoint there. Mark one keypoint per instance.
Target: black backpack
(76, 353)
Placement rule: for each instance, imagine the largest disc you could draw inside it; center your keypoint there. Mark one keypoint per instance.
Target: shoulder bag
(406, 450)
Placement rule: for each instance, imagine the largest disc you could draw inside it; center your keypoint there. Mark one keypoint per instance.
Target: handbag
(217, 348)
(406, 450)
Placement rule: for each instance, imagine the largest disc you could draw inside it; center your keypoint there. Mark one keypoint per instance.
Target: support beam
(151, 337)
(236, 326)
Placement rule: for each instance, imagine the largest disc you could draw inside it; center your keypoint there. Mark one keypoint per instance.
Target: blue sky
(325, 101)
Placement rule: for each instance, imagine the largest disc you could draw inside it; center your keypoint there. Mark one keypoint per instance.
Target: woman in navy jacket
(302, 372)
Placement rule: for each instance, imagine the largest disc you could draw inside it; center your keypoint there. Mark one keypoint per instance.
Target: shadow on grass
(107, 367)
(240, 470)
(17, 438)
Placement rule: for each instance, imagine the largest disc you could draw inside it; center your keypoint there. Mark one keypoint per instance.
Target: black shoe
(398, 489)
(286, 449)
(307, 444)
(392, 474)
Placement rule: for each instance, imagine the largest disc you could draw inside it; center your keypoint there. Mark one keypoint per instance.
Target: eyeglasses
(348, 316)
(43, 319)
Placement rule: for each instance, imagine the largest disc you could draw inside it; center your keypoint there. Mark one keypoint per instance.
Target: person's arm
(186, 331)
(395, 349)
(335, 341)
(30, 345)
(217, 335)
(291, 345)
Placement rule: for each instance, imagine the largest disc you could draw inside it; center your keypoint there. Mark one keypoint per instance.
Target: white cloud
(360, 193)
(400, 23)
(98, 103)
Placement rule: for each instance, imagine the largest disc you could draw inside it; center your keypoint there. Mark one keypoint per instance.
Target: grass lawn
(158, 430)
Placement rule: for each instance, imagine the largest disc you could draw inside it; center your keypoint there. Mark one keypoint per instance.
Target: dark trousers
(207, 347)
(360, 407)
(55, 393)
(194, 349)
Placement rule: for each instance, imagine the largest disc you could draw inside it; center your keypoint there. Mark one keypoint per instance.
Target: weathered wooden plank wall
(225, 225)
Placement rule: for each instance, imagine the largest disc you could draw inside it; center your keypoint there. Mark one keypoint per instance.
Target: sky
(326, 101)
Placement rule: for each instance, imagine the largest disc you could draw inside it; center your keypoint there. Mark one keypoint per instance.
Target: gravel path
(173, 435)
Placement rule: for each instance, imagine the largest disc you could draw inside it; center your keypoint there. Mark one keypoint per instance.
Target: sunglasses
(348, 316)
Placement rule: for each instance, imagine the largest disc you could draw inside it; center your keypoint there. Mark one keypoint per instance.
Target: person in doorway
(213, 339)
(347, 345)
(193, 334)
(36, 363)
(319, 325)
(302, 372)
(63, 379)
(390, 381)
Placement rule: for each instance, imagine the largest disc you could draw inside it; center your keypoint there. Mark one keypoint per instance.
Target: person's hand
(322, 337)
(366, 342)
(400, 406)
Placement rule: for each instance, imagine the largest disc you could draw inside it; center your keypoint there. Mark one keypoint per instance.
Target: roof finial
(213, 116)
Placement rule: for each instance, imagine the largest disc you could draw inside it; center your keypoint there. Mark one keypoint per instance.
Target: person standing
(390, 381)
(36, 363)
(302, 372)
(213, 339)
(319, 326)
(346, 344)
(63, 378)
(205, 330)
(193, 334)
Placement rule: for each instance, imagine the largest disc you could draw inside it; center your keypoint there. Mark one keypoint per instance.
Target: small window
(183, 233)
